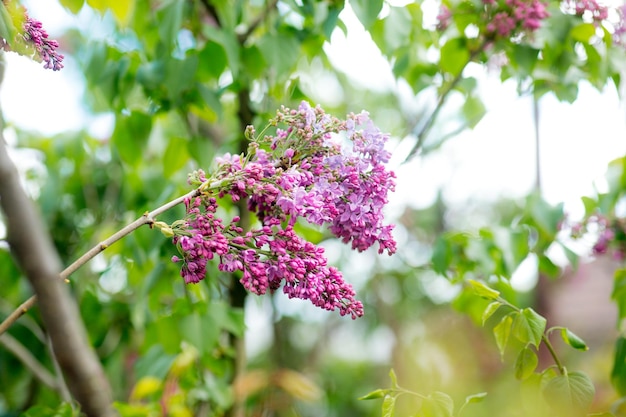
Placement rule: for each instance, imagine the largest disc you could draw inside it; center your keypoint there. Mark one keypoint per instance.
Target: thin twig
(30, 362)
(257, 21)
(421, 136)
(61, 385)
(147, 218)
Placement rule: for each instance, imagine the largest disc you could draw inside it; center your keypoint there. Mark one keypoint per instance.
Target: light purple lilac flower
(300, 172)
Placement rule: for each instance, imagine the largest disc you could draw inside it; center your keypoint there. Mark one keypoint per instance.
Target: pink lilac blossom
(591, 9)
(606, 234)
(35, 37)
(511, 16)
(299, 172)
(443, 18)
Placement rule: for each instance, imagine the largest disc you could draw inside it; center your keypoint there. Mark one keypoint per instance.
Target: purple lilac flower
(513, 15)
(34, 37)
(46, 48)
(299, 173)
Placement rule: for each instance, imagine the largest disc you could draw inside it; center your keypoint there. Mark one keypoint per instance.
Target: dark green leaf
(131, 135)
(574, 341)
(442, 256)
(619, 292)
(618, 374)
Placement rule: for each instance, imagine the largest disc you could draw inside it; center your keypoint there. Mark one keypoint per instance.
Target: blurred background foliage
(181, 80)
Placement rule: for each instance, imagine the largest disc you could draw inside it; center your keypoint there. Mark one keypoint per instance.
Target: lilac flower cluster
(505, 18)
(587, 9)
(46, 48)
(301, 171)
(606, 234)
(508, 18)
(34, 40)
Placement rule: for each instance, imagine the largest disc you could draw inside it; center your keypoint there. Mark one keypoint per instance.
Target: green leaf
(379, 393)
(212, 61)
(175, 157)
(570, 394)
(473, 111)
(546, 266)
(442, 256)
(170, 22)
(253, 61)
(591, 205)
(437, 404)
(398, 26)
(454, 56)
(472, 399)
(583, 32)
(524, 57)
(7, 27)
(490, 310)
(526, 363)
(278, 51)
(502, 331)
(618, 374)
(73, 6)
(131, 135)
(528, 326)
(394, 378)
(389, 405)
(366, 11)
(483, 290)
(619, 292)
(574, 341)
(155, 362)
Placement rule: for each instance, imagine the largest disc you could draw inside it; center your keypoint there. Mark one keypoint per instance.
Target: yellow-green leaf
(526, 363)
(483, 290)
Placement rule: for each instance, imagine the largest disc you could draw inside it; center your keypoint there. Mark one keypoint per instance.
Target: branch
(35, 254)
(257, 21)
(29, 361)
(421, 136)
(147, 218)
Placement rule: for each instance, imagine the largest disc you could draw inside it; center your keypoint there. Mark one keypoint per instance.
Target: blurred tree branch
(34, 252)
